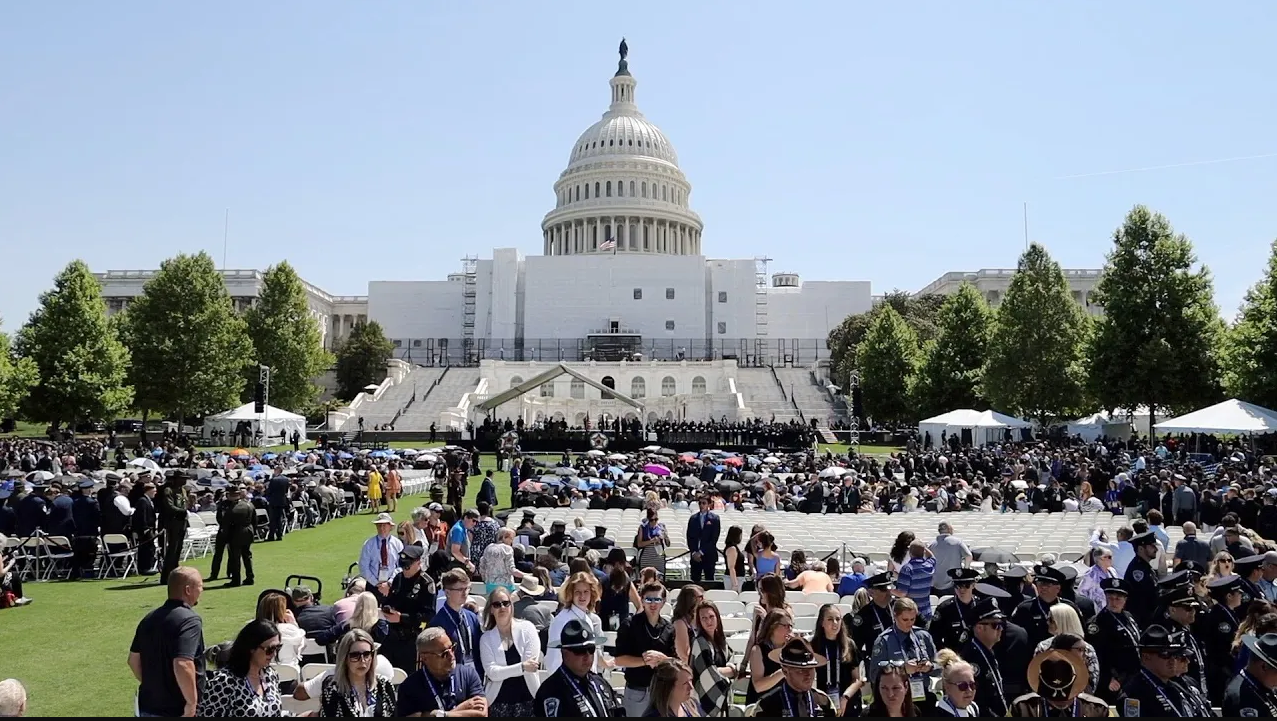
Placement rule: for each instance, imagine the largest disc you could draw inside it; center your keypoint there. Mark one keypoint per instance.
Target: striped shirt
(915, 581)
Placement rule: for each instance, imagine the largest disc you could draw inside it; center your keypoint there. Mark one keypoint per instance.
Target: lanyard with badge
(463, 632)
(1161, 693)
(789, 706)
(366, 710)
(452, 689)
(997, 671)
(833, 675)
(917, 687)
(585, 698)
(1264, 695)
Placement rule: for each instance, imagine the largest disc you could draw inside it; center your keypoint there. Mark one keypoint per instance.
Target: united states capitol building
(623, 285)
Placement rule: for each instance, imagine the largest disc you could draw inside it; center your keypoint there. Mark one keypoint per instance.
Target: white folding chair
(286, 673)
(313, 648)
(311, 670)
(122, 560)
(720, 595)
(737, 625)
(399, 677)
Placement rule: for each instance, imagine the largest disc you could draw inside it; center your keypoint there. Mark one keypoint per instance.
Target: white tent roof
(1095, 419)
(967, 418)
(246, 413)
(1230, 416)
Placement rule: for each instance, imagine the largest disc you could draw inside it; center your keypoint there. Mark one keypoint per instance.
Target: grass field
(69, 647)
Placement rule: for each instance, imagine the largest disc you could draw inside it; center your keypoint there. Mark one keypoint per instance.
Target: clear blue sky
(847, 141)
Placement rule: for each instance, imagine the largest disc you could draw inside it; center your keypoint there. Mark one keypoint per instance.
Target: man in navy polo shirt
(441, 687)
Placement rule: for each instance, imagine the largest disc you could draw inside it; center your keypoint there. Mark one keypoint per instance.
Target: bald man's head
(1190, 529)
(185, 584)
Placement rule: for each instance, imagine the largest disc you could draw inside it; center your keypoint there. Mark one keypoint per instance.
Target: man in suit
(702, 540)
(143, 523)
(279, 503)
(488, 490)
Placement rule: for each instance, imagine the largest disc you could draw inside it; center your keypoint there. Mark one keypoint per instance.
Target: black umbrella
(994, 555)
(729, 486)
(667, 452)
(312, 467)
(750, 476)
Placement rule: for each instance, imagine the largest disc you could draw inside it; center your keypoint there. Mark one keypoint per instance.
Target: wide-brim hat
(383, 518)
(529, 586)
(1049, 674)
(577, 635)
(797, 653)
(1263, 647)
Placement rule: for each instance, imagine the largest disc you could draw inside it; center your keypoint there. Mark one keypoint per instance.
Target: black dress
(614, 607)
(769, 667)
(514, 700)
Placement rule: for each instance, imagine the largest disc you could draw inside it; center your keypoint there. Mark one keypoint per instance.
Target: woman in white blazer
(511, 653)
(578, 598)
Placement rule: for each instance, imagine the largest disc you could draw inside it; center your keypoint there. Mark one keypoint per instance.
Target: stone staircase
(814, 402)
(434, 398)
(763, 395)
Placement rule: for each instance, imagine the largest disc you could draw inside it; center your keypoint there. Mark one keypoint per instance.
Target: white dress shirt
(370, 566)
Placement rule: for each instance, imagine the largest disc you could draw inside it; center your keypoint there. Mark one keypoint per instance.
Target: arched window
(609, 382)
(644, 188)
(596, 189)
(668, 386)
(579, 420)
(515, 381)
(609, 188)
(638, 387)
(587, 191)
(664, 192)
(577, 390)
(631, 188)
(698, 384)
(620, 188)
(547, 390)
(578, 192)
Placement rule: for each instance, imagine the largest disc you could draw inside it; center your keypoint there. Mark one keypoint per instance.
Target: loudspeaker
(259, 398)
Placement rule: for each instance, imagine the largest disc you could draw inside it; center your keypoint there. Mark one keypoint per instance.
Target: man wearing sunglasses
(1116, 639)
(440, 687)
(951, 625)
(644, 641)
(574, 690)
(987, 625)
(1155, 690)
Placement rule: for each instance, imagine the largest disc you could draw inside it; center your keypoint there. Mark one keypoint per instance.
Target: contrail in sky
(1166, 167)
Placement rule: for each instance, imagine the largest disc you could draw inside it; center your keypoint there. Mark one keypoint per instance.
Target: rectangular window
(638, 294)
(669, 294)
(722, 328)
(669, 325)
(722, 296)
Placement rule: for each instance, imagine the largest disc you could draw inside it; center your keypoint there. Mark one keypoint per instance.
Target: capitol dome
(622, 186)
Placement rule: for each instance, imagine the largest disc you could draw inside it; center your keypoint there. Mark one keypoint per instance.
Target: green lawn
(70, 645)
(841, 448)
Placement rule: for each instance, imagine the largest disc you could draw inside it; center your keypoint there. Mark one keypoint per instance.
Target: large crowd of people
(1140, 626)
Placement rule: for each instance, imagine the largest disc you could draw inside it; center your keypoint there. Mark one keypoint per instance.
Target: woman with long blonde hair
(578, 599)
(354, 689)
(273, 607)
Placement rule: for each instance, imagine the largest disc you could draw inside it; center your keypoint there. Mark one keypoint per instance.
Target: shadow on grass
(152, 583)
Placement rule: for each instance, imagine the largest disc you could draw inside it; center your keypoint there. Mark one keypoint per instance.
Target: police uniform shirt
(1033, 615)
(1217, 629)
(1115, 638)
(1142, 590)
(1247, 698)
(566, 695)
(1250, 592)
(784, 702)
(1196, 673)
(867, 624)
(413, 598)
(951, 624)
(1033, 705)
(1146, 696)
(991, 695)
(1196, 700)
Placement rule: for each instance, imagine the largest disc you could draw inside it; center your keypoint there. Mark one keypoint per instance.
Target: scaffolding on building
(470, 284)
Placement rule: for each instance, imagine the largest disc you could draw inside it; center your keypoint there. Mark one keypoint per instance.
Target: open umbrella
(379, 454)
(146, 463)
(565, 471)
(157, 452)
(666, 452)
(833, 472)
(238, 453)
(615, 469)
(656, 470)
(650, 449)
(750, 476)
(408, 452)
(618, 457)
(269, 456)
(994, 555)
(594, 453)
(42, 476)
(771, 459)
(729, 486)
(733, 461)
(345, 456)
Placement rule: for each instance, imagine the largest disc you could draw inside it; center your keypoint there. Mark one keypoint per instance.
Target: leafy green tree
(1035, 350)
(17, 377)
(1158, 342)
(918, 311)
(190, 349)
(888, 359)
(286, 338)
(953, 363)
(82, 364)
(1250, 347)
(361, 359)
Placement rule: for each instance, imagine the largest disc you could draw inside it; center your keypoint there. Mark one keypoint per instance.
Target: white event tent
(1231, 417)
(973, 427)
(1098, 424)
(272, 422)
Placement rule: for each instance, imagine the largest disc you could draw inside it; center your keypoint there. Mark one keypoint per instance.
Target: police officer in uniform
(1153, 691)
(408, 608)
(1178, 612)
(1249, 569)
(952, 621)
(173, 521)
(220, 541)
(574, 690)
(1116, 639)
(1012, 582)
(1034, 614)
(33, 511)
(796, 696)
(1253, 692)
(241, 517)
(1218, 629)
(88, 520)
(874, 617)
(987, 624)
(1141, 581)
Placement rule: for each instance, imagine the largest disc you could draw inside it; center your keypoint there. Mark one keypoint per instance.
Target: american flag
(609, 244)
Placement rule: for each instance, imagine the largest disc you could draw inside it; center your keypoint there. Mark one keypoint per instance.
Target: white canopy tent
(1097, 424)
(974, 427)
(1231, 417)
(272, 422)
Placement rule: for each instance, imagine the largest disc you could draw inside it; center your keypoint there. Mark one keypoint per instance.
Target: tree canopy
(918, 312)
(287, 339)
(361, 359)
(17, 377)
(887, 359)
(80, 361)
(952, 370)
(190, 349)
(1035, 364)
(1158, 341)
(1250, 347)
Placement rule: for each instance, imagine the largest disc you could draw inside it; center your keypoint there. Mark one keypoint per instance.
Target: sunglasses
(359, 656)
(500, 604)
(1171, 655)
(653, 599)
(891, 664)
(965, 685)
(441, 652)
(995, 625)
(579, 651)
(273, 649)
